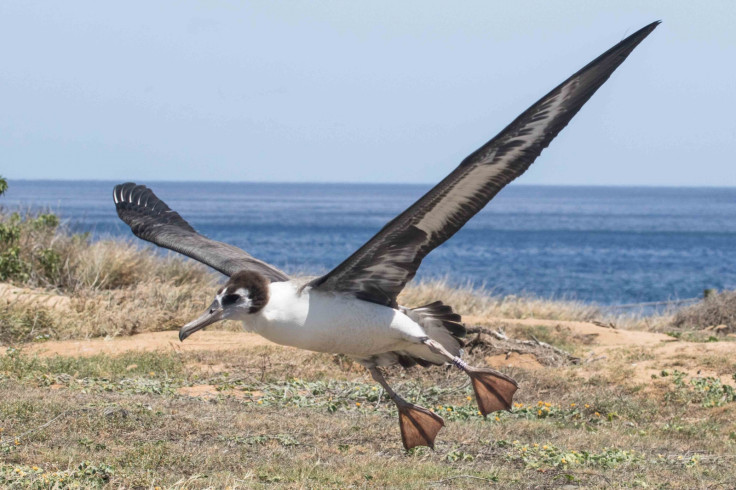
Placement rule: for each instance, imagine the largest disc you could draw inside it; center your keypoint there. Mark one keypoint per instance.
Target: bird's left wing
(152, 220)
(380, 269)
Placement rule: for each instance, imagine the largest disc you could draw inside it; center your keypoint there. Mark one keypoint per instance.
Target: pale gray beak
(213, 314)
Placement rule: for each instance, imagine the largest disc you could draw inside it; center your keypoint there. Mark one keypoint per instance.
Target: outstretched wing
(380, 269)
(152, 220)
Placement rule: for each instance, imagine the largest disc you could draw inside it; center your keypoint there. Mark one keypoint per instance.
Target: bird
(353, 309)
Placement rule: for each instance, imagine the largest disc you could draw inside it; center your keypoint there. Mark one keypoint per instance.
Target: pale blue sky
(358, 91)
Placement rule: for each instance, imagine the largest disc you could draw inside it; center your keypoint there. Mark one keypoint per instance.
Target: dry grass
(36, 251)
(115, 287)
(478, 302)
(104, 288)
(117, 264)
(123, 290)
(144, 307)
(717, 309)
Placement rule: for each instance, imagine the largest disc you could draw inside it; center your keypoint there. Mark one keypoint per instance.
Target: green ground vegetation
(298, 419)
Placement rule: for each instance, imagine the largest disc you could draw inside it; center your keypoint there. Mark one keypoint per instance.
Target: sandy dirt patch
(581, 332)
(694, 358)
(513, 359)
(151, 341)
(648, 353)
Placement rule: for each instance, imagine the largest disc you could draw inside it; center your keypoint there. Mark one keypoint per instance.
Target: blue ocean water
(606, 245)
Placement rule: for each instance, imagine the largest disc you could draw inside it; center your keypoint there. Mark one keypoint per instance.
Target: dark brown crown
(255, 283)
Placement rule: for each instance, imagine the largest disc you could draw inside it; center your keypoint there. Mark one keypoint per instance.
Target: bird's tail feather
(441, 324)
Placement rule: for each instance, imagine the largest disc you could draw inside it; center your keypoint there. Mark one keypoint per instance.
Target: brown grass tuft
(468, 300)
(37, 251)
(716, 309)
(116, 264)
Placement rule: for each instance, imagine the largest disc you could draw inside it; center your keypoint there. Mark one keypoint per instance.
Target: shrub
(716, 309)
(26, 252)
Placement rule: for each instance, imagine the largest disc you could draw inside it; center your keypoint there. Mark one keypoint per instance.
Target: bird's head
(244, 294)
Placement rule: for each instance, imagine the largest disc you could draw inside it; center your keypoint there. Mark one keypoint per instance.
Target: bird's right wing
(152, 220)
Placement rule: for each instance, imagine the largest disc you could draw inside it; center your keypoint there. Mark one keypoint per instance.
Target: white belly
(329, 322)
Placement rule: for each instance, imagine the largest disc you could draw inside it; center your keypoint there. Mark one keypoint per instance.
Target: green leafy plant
(27, 248)
(707, 391)
(548, 455)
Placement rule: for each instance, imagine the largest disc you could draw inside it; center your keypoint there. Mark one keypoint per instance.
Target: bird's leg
(493, 390)
(418, 425)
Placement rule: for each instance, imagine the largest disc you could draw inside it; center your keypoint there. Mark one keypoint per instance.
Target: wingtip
(647, 29)
(643, 32)
(654, 24)
(123, 185)
(118, 192)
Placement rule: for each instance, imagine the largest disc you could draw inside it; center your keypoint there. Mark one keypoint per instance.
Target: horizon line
(270, 182)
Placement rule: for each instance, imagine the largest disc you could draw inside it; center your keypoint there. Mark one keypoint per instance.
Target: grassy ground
(276, 416)
(650, 413)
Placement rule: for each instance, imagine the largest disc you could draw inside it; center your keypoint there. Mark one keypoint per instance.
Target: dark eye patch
(230, 299)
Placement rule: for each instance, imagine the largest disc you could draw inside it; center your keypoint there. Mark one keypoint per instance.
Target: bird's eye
(230, 299)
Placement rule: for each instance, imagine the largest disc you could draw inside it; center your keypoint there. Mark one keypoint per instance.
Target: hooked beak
(213, 314)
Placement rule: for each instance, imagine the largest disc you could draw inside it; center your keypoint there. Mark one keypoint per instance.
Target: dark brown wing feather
(380, 269)
(152, 220)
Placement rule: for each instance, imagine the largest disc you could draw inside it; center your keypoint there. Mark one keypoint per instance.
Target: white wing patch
(472, 184)
(461, 193)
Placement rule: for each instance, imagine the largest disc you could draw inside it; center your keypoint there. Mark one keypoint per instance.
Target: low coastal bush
(37, 251)
(26, 254)
(716, 309)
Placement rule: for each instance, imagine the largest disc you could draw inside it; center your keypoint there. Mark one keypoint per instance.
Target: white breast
(331, 322)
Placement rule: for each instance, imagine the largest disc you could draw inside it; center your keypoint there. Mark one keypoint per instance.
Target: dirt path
(647, 352)
(598, 336)
(152, 341)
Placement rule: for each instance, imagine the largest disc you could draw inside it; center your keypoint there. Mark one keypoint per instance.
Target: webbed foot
(418, 425)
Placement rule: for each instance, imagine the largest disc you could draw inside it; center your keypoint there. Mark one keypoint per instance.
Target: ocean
(604, 245)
